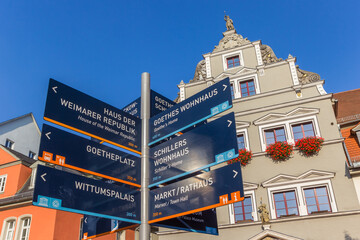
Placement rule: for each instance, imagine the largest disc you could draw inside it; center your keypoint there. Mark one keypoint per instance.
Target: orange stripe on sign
(91, 172)
(222, 203)
(117, 230)
(90, 135)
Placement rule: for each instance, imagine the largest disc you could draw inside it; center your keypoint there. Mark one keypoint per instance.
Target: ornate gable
(270, 234)
(298, 112)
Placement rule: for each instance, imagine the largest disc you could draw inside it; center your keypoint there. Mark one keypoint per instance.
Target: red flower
(279, 151)
(310, 145)
(244, 157)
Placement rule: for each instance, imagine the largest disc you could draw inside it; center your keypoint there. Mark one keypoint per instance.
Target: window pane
(247, 201)
(311, 201)
(280, 213)
(290, 195)
(324, 207)
(321, 191)
(243, 210)
(239, 218)
(312, 209)
(323, 199)
(308, 127)
(291, 203)
(280, 205)
(278, 197)
(241, 141)
(292, 211)
(309, 193)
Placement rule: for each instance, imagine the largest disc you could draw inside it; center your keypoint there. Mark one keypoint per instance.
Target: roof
(352, 144)
(348, 106)
(24, 159)
(23, 116)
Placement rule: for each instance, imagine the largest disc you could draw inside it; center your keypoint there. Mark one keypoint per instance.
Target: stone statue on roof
(229, 23)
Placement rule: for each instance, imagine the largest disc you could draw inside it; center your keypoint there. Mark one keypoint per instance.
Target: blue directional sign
(75, 110)
(208, 190)
(203, 105)
(200, 222)
(158, 104)
(73, 193)
(72, 151)
(200, 148)
(95, 227)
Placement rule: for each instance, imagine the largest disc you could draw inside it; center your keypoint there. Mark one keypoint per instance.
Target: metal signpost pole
(145, 116)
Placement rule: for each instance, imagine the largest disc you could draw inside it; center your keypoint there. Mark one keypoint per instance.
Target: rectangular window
(243, 210)
(233, 62)
(317, 200)
(10, 229)
(232, 91)
(275, 135)
(241, 141)
(2, 183)
(25, 229)
(285, 204)
(303, 130)
(9, 144)
(247, 88)
(32, 155)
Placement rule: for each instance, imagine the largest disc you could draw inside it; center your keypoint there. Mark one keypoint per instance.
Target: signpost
(200, 222)
(208, 190)
(203, 105)
(73, 193)
(95, 227)
(200, 148)
(72, 151)
(158, 104)
(75, 110)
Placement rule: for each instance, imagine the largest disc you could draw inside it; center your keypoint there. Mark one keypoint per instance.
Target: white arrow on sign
(230, 122)
(48, 135)
(85, 220)
(225, 86)
(54, 89)
(235, 173)
(43, 177)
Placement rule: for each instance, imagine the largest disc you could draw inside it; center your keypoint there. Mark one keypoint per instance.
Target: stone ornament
(229, 23)
(306, 76)
(268, 55)
(200, 72)
(264, 213)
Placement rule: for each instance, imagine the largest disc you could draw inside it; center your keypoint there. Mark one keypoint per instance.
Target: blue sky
(102, 47)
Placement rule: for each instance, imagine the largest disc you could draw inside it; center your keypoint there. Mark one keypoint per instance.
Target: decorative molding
(284, 179)
(230, 40)
(243, 71)
(268, 234)
(181, 86)
(321, 89)
(208, 66)
(306, 76)
(258, 53)
(268, 55)
(275, 117)
(294, 75)
(200, 72)
(242, 124)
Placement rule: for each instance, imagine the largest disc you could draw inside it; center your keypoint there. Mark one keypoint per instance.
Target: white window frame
(3, 179)
(287, 125)
(236, 84)
(246, 137)
(10, 141)
(20, 226)
(33, 177)
(254, 209)
(232, 54)
(5, 229)
(300, 196)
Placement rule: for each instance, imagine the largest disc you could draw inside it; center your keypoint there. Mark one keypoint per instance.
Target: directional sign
(72, 151)
(200, 222)
(200, 148)
(73, 193)
(207, 190)
(203, 105)
(158, 104)
(95, 227)
(75, 110)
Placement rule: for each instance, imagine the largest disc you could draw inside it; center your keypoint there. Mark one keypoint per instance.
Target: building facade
(347, 111)
(303, 197)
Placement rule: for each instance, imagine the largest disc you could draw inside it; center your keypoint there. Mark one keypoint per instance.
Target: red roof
(348, 108)
(351, 143)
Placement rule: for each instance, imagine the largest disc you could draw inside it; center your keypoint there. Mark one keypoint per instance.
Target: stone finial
(290, 56)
